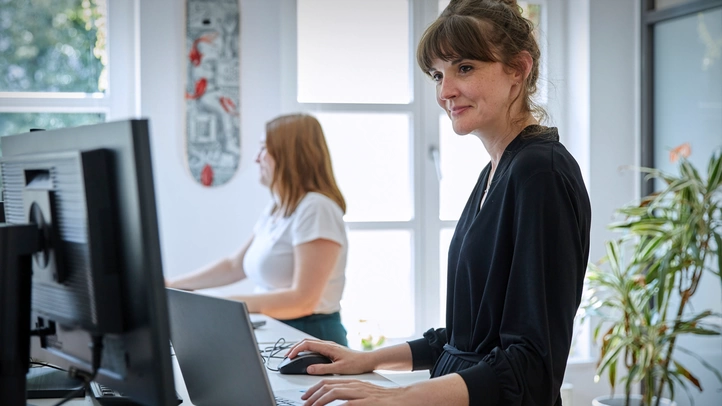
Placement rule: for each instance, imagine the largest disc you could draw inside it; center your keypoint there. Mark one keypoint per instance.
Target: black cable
(70, 395)
(273, 351)
(96, 348)
(75, 393)
(39, 364)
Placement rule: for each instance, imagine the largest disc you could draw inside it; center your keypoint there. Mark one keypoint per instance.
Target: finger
(298, 347)
(324, 382)
(336, 367)
(340, 392)
(323, 347)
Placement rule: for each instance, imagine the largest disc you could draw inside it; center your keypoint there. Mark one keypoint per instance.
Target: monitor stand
(46, 382)
(18, 242)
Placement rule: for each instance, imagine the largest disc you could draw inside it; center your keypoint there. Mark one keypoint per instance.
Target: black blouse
(515, 275)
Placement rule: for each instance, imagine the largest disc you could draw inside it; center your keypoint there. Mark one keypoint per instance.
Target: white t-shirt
(269, 261)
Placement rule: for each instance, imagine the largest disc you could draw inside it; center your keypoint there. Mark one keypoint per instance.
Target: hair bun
(455, 3)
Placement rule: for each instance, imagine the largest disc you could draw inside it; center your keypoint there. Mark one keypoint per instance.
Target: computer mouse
(299, 364)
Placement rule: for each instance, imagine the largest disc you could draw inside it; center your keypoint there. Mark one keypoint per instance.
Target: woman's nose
(447, 89)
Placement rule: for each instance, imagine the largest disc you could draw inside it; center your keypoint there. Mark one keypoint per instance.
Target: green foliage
(52, 45)
(368, 343)
(642, 302)
(16, 123)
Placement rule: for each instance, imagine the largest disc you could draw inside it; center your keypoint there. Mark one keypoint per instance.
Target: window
(405, 175)
(363, 95)
(55, 67)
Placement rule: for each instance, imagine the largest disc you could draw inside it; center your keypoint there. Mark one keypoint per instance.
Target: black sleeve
(543, 294)
(425, 351)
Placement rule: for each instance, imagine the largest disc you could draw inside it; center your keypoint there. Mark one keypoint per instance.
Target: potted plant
(640, 292)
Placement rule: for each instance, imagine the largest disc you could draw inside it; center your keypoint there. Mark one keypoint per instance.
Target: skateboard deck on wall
(212, 94)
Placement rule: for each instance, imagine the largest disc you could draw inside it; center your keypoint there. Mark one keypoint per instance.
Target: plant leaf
(688, 375)
(714, 171)
(718, 240)
(702, 361)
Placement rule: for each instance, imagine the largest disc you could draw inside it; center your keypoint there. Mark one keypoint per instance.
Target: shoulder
(317, 216)
(315, 201)
(540, 154)
(317, 205)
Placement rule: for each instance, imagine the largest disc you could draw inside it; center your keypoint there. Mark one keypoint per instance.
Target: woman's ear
(525, 63)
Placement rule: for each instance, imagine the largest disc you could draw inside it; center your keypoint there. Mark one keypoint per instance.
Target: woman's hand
(448, 390)
(358, 393)
(345, 361)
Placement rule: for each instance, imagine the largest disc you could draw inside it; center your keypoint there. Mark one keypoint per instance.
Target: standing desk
(266, 336)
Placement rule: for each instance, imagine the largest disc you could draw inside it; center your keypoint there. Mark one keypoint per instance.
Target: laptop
(217, 352)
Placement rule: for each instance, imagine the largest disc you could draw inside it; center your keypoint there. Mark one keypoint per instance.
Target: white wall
(200, 224)
(602, 44)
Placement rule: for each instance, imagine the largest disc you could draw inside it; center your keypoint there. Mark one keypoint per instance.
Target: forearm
(449, 390)
(313, 264)
(220, 273)
(393, 358)
(282, 304)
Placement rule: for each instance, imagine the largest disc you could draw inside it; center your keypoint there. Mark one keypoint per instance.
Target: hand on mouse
(345, 360)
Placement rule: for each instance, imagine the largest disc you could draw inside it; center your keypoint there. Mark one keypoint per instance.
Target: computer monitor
(81, 218)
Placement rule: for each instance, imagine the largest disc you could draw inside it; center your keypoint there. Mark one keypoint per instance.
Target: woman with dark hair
(519, 252)
(297, 253)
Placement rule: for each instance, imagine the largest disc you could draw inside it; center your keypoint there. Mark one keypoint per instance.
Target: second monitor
(97, 281)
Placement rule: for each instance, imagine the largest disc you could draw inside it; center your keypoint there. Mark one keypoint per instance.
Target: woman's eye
(465, 68)
(436, 77)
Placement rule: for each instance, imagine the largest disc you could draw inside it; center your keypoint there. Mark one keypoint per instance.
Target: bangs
(455, 37)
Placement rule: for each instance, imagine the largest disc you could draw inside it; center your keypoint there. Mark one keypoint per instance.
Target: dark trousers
(322, 326)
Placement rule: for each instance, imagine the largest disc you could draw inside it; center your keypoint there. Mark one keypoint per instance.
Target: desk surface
(268, 335)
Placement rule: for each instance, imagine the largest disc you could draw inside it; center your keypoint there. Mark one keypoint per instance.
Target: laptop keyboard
(107, 396)
(286, 402)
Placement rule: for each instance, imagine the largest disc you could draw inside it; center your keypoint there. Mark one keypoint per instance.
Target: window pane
(53, 46)
(371, 161)
(17, 123)
(353, 52)
(378, 299)
(462, 159)
(688, 88)
(444, 241)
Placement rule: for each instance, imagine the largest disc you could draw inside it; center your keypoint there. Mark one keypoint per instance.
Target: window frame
(118, 101)
(650, 17)
(422, 101)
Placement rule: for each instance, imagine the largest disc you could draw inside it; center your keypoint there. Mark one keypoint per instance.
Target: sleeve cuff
(421, 354)
(482, 384)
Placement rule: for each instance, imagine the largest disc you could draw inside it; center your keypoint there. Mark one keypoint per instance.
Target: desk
(265, 336)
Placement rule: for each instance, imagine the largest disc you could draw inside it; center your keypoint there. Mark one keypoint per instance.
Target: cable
(75, 394)
(96, 348)
(71, 395)
(38, 364)
(273, 351)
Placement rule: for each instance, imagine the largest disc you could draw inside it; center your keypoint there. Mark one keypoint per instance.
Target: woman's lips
(458, 110)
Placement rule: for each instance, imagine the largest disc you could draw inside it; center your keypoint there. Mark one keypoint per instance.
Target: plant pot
(634, 400)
